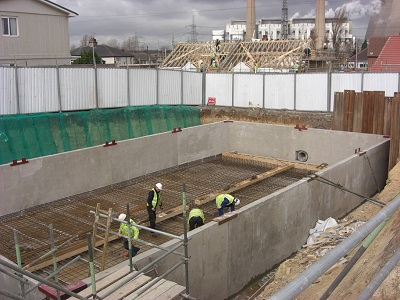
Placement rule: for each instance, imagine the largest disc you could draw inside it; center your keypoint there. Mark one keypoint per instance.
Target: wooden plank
(349, 96)
(379, 111)
(159, 292)
(70, 254)
(357, 116)
(394, 132)
(106, 281)
(368, 112)
(387, 115)
(243, 184)
(338, 111)
(167, 214)
(128, 288)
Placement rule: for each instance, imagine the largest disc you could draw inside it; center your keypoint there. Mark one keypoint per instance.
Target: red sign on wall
(211, 101)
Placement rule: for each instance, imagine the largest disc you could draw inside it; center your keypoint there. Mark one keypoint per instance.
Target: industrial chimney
(251, 20)
(320, 24)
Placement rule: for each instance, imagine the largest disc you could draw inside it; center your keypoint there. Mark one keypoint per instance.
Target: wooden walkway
(162, 290)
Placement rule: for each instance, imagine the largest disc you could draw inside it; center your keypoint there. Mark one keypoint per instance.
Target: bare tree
(130, 44)
(113, 43)
(85, 40)
(338, 30)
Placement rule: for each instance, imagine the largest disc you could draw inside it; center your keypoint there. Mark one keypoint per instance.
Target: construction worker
(217, 45)
(255, 67)
(201, 65)
(196, 218)
(134, 231)
(212, 63)
(296, 66)
(226, 200)
(303, 67)
(154, 199)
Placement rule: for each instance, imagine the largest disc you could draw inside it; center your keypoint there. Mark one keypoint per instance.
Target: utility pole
(284, 21)
(193, 33)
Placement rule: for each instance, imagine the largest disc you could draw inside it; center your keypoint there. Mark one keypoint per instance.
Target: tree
(338, 29)
(364, 45)
(113, 43)
(85, 40)
(87, 58)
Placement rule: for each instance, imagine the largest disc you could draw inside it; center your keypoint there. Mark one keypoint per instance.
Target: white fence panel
(219, 86)
(387, 82)
(37, 90)
(170, 87)
(8, 95)
(248, 90)
(192, 88)
(77, 87)
(112, 87)
(345, 81)
(279, 91)
(312, 92)
(142, 87)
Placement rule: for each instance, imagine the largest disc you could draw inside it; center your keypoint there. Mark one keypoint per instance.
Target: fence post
(182, 86)
(95, 86)
(203, 87)
(16, 88)
(157, 86)
(263, 89)
(127, 86)
(329, 89)
(233, 89)
(294, 94)
(58, 87)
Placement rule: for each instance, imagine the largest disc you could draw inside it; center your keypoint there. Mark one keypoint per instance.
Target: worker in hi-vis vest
(196, 218)
(134, 231)
(154, 200)
(226, 200)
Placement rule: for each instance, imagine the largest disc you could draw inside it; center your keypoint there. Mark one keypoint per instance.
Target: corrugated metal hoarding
(219, 87)
(38, 91)
(77, 87)
(192, 88)
(112, 87)
(312, 92)
(142, 87)
(170, 87)
(8, 95)
(387, 82)
(279, 91)
(248, 91)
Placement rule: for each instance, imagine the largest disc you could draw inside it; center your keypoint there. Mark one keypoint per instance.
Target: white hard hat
(122, 217)
(159, 186)
(237, 201)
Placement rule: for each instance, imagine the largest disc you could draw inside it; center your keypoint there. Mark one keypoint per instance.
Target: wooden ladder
(104, 240)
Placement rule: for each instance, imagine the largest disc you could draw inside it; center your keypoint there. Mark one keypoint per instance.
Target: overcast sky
(157, 22)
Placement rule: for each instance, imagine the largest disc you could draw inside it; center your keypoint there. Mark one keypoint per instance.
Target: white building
(270, 29)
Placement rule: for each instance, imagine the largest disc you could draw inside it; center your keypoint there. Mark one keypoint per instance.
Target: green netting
(44, 134)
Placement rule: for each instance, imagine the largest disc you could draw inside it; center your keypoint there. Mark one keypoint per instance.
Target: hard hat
(237, 201)
(159, 186)
(122, 217)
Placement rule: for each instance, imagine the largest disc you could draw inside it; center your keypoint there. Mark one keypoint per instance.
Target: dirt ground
(376, 255)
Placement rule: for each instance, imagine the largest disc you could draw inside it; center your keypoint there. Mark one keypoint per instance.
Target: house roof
(69, 12)
(375, 45)
(102, 51)
(389, 58)
(361, 56)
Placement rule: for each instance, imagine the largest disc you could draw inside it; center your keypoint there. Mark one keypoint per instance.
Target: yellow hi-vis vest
(220, 199)
(123, 229)
(196, 212)
(156, 200)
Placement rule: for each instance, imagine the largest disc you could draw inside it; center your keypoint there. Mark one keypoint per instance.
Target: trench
(71, 216)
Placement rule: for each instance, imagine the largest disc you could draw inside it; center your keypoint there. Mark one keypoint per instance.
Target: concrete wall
(224, 258)
(83, 170)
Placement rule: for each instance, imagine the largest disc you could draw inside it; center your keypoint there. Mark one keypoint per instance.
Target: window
(9, 26)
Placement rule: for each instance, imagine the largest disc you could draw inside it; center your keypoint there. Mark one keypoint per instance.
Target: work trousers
(152, 217)
(195, 222)
(134, 249)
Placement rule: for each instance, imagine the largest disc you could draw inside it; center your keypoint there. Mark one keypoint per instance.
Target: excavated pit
(72, 217)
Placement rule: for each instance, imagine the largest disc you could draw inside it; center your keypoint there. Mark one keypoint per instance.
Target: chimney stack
(251, 20)
(320, 24)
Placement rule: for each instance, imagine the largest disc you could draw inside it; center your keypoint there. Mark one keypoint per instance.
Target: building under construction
(280, 174)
